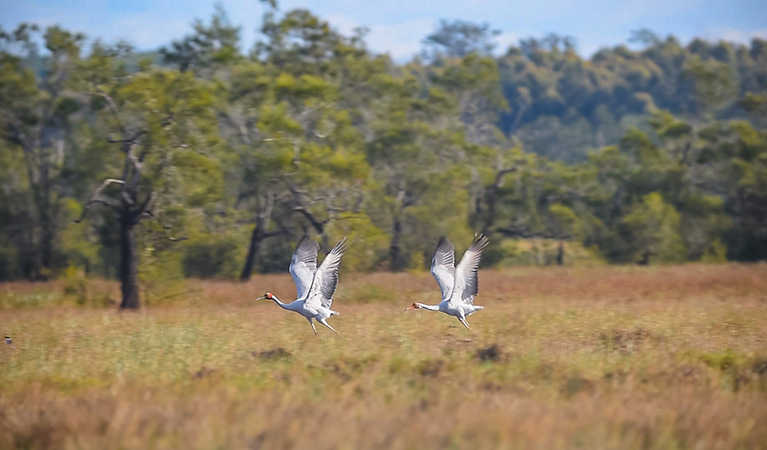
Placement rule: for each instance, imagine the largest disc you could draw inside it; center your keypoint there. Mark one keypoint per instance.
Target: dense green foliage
(657, 154)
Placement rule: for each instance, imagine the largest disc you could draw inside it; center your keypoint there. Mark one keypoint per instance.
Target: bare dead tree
(264, 208)
(134, 202)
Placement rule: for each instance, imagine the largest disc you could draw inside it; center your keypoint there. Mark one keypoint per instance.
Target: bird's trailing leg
(312, 324)
(322, 321)
(463, 321)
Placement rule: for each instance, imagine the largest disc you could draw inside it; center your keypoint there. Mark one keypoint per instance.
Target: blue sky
(398, 26)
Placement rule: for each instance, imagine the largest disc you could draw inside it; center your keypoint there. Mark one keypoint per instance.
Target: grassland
(615, 358)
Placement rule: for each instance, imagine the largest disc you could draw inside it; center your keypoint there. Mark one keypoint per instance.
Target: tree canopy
(211, 159)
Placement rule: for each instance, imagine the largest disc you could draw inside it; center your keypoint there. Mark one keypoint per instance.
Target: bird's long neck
(429, 307)
(276, 300)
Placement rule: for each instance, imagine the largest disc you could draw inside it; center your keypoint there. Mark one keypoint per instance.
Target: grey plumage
(326, 277)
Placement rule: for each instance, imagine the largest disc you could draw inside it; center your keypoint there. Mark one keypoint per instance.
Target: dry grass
(624, 358)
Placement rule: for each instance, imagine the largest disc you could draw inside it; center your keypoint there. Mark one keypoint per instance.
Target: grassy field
(617, 357)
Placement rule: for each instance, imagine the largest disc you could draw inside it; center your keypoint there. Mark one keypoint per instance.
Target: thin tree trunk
(45, 216)
(43, 242)
(258, 236)
(128, 265)
(396, 262)
(561, 254)
(46, 234)
(255, 245)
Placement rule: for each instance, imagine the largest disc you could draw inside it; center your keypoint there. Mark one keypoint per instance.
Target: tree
(209, 47)
(714, 83)
(162, 124)
(474, 81)
(459, 38)
(414, 157)
(299, 152)
(36, 114)
(651, 230)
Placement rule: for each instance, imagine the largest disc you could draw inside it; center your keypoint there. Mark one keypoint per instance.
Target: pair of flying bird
(316, 286)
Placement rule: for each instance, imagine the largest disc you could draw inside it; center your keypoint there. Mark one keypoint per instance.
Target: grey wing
(467, 272)
(304, 265)
(443, 267)
(326, 277)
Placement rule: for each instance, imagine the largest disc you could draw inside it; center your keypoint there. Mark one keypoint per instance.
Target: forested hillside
(213, 157)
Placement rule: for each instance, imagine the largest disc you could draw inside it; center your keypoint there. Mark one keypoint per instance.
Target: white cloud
(734, 35)
(343, 24)
(506, 40)
(401, 40)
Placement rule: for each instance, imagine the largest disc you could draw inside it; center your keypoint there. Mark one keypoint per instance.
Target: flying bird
(459, 285)
(315, 286)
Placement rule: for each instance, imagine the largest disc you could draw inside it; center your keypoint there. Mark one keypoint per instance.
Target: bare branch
(106, 183)
(130, 140)
(500, 174)
(317, 224)
(144, 209)
(273, 233)
(96, 199)
(115, 112)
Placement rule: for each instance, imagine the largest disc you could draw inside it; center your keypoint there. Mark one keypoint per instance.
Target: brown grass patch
(623, 358)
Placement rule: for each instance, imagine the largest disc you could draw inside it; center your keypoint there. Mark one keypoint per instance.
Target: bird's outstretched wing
(443, 267)
(304, 265)
(466, 274)
(326, 277)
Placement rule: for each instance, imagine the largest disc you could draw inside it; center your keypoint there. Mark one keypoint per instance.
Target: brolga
(315, 286)
(459, 285)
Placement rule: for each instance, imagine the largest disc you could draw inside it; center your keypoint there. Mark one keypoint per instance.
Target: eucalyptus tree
(475, 82)
(415, 148)
(162, 131)
(38, 106)
(297, 150)
(459, 38)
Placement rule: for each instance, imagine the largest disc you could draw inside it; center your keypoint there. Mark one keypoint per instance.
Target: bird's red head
(268, 295)
(413, 306)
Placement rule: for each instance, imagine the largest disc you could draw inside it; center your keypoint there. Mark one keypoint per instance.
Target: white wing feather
(326, 277)
(466, 274)
(443, 267)
(304, 265)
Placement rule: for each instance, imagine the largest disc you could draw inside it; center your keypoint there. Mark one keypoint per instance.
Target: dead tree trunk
(403, 201)
(396, 259)
(561, 254)
(259, 235)
(128, 264)
(253, 248)
(128, 209)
